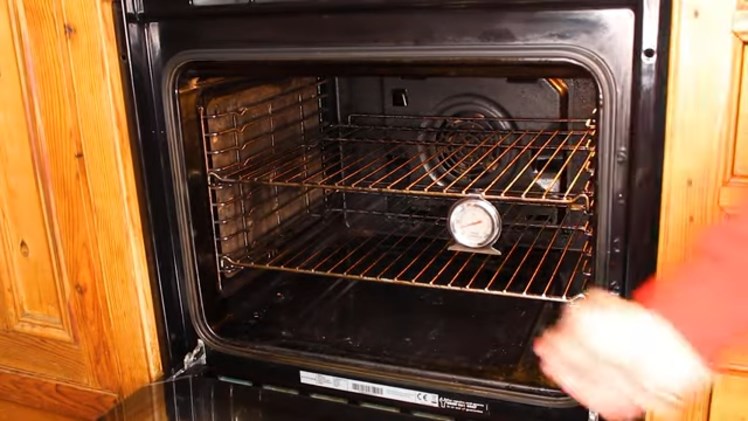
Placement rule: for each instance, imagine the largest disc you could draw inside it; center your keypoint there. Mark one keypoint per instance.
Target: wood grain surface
(76, 317)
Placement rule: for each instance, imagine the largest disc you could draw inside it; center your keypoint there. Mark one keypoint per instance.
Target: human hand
(619, 359)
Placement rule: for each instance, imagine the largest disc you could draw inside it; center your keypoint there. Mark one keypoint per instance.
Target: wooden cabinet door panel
(728, 402)
(76, 321)
(706, 159)
(734, 189)
(705, 170)
(740, 167)
(38, 334)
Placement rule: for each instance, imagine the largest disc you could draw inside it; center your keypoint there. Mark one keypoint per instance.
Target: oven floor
(468, 334)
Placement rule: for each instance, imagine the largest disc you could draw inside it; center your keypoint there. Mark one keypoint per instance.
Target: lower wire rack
(548, 261)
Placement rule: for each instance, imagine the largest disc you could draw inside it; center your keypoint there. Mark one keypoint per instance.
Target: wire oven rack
(430, 156)
(547, 261)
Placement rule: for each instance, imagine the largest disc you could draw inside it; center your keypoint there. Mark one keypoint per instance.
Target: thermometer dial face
(474, 223)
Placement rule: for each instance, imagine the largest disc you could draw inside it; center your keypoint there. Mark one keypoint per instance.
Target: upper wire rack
(432, 156)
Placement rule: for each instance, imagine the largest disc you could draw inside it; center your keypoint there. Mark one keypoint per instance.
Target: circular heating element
(459, 150)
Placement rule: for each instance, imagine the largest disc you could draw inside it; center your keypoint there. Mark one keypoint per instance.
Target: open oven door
(197, 392)
(202, 397)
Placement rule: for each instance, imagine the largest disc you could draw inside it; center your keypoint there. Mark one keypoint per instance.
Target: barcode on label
(372, 389)
(369, 390)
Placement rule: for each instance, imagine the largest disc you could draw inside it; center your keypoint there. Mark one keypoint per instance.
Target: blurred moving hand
(619, 359)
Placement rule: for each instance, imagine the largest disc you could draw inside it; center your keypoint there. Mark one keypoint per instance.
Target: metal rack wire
(552, 166)
(547, 261)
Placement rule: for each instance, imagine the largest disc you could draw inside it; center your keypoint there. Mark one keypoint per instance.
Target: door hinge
(194, 358)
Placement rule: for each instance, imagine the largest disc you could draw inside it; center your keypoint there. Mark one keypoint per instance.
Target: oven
(375, 206)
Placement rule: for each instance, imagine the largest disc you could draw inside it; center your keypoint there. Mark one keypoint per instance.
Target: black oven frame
(159, 36)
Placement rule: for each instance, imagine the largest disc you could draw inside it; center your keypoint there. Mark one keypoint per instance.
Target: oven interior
(320, 199)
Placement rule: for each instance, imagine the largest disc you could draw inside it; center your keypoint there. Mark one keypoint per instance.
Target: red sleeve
(706, 299)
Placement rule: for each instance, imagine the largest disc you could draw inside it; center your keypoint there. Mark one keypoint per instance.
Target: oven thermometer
(474, 223)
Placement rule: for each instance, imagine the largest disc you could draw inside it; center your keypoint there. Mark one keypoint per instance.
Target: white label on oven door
(371, 389)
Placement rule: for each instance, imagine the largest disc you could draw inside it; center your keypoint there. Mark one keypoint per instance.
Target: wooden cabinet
(76, 319)
(728, 398)
(706, 167)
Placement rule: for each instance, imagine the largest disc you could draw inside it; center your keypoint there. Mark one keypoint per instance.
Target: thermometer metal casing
(474, 223)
